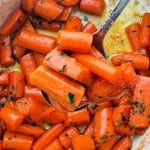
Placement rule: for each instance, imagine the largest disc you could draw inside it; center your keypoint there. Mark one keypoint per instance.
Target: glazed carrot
(89, 27)
(54, 145)
(13, 140)
(124, 143)
(16, 84)
(108, 144)
(1, 145)
(89, 130)
(78, 117)
(103, 125)
(29, 130)
(68, 66)
(70, 2)
(65, 14)
(6, 58)
(138, 61)
(124, 99)
(140, 131)
(140, 108)
(75, 41)
(19, 51)
(39, 58)
(95, 7)
(83, 142)
(36, 42)
(42, 8)
(145, 31)
(4, 80)
(28, 27)
(11, 117)
(13, 23)
(71, 92)
(28, 107)
(35, 93)
(48, 137)
(3, 90)
(133, 34)
(28, 65)
(53, 116)
(66, 137)
(144, 73)
(28, 5)
(74, 23)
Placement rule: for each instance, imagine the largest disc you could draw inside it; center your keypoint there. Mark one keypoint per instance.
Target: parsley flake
(71, 97)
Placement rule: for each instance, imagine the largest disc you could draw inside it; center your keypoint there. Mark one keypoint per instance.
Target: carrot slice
(68, 66)
(13, 140)
(70, 2)
(42, 8)
(75, 41)
(13, 23)
(89, 130)
(54, 83)
(4, 80)
(89, 27)
(39, 58)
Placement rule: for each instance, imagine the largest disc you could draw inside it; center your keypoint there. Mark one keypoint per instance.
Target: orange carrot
(124, 143)
(39, 58)
(68, 66)
(70, 2)
(36, 42)
(89, 130)
(11, 117)
(133, 34)
(48, 137)
(28, 65)
(103, 125)
(6, 58)
(95, 7)
(54, 145)
(138, 61)
(74, 23)
(53, 116)
(3, 90)
(13, 23)
(78, 117)
(1, 145)
(145, 31)
(83, 142)
(75, 41)
(71, 93)
(16, 84)
(28, 5)
(28, 27)
(42, 8)
(140, 131)
(19, 51)
(144, 73)
(4, 80)
(13, 140)
(89, 27)
(66, 137)
(140, 108)
(124, 99)
(65, 14)
(34, 93)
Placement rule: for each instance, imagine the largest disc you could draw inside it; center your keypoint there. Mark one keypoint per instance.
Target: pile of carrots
(67, 95)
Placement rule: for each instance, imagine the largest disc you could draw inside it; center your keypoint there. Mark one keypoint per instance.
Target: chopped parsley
(86, 18)
(1, 104)
(71, 97)
(148, 116)
(93, 105)
(62, 54)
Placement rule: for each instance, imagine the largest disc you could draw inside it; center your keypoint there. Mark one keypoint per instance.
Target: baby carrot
(19, 51)
(39, 58)
(89, 27)
(4, 80)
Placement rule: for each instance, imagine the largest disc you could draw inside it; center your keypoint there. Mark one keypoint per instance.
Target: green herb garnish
(71, 97)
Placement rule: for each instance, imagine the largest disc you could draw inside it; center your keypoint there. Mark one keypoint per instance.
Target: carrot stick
(55, 145)
(34, 93)
(75, 41)
(28, 5)
(133, 34)
(3, 90)
(124, 143)
(103, 125)
(70, 2)
(71, 93)
(6, 58)
(36, 42)
(53, 116)
(13, 140)
(65, 14)
(11, 117)
(89, 27)
(4, 80)
(39, 58)
(28, 65)
(74, 23)
(42, 8)
(95, 7)
(16, 84)
(83, 142)
(66, 137)
(78, 117)
(13, 23)
(48, 137)
(89, 130)
(68, 66)
(29, 130)
(138, 61)
(145, 31)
